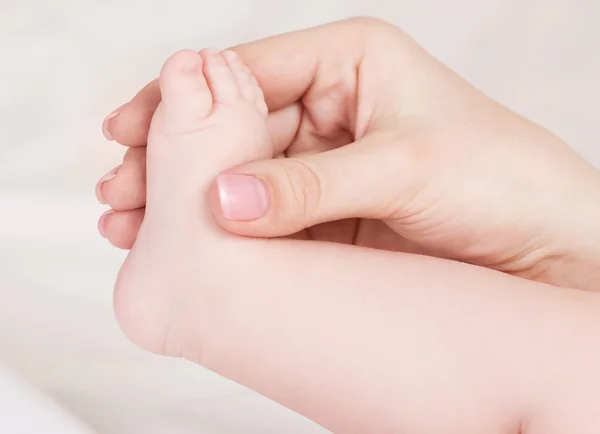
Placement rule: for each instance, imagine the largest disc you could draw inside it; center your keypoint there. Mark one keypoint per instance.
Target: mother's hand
(387, 148)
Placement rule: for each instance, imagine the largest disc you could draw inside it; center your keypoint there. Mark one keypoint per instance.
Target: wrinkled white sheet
(65, 64)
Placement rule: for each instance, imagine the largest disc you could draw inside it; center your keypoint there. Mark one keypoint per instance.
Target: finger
(124, 187)
(283, 126)
(285, 66)
(129, 124)
(367, 179)
(121, 227)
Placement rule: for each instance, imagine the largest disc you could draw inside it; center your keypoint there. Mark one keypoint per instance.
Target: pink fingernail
(110, 175)
(102, 222)
(242, 197)
(105, 130)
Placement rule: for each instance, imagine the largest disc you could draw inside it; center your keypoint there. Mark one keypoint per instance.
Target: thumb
(283, 196)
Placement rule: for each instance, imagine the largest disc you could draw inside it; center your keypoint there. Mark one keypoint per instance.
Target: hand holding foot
(358, 340)
(431, 164)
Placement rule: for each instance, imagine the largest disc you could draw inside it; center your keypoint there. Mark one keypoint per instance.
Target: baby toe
(259, 97)
(185, 93)
(220, 78)
(241, 77)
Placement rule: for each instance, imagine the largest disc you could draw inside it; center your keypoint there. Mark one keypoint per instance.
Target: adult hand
(387, 148)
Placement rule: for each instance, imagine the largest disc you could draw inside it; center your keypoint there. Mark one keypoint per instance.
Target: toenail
(242, 197)
(102, 222)
(105, 129)
(110, 175)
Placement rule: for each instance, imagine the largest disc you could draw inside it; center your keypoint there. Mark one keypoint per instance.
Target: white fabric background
(65, 64)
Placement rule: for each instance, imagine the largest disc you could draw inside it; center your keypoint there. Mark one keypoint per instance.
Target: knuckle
(367, 21)
(371, 25)
(301, 189)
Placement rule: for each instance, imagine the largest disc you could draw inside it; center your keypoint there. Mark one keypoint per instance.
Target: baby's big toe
(186, 98)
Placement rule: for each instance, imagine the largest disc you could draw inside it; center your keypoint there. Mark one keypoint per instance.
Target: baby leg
(356, 339)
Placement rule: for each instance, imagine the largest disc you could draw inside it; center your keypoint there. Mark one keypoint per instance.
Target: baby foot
(212, 117)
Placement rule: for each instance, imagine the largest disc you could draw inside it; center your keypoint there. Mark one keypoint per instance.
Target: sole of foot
(212, 117)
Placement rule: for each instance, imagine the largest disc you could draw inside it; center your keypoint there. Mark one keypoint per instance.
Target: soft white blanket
(66, 63)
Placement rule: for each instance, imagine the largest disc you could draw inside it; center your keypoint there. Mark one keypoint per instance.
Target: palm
(444, 218)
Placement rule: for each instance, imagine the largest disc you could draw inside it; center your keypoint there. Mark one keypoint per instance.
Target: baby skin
(358, 340)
